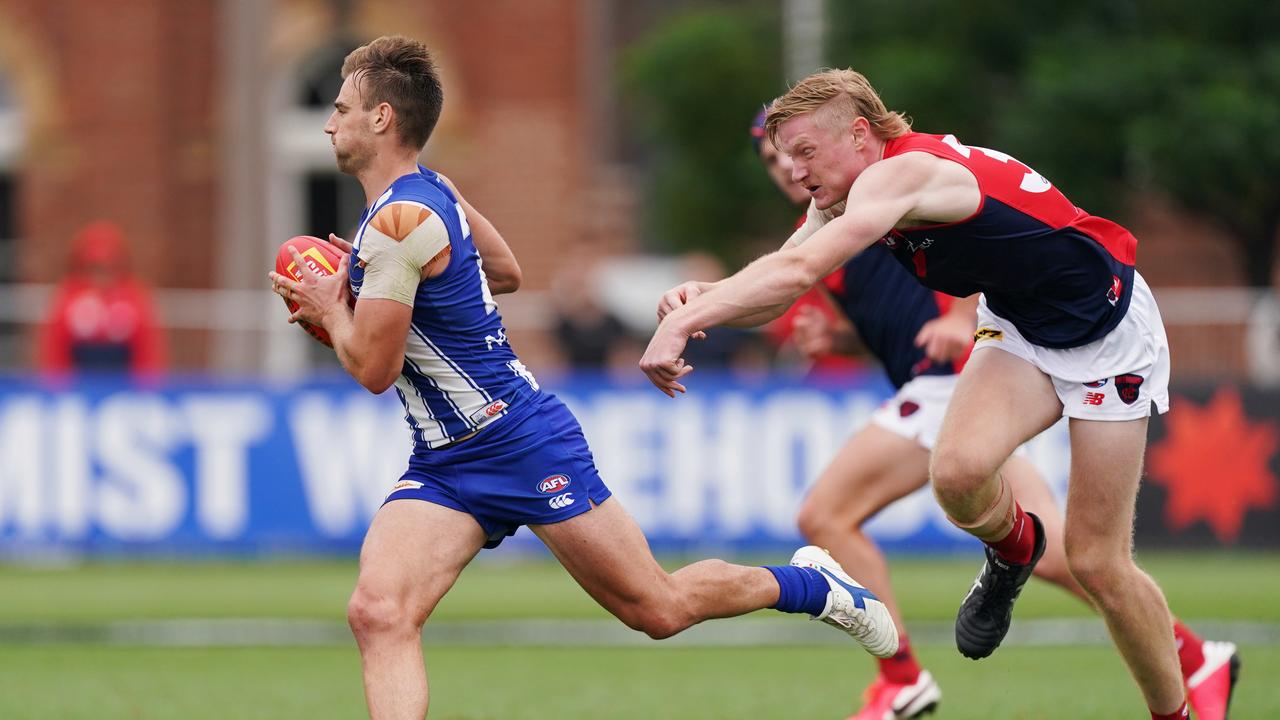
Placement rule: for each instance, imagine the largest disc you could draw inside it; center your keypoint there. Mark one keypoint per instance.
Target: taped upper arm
(400, 240)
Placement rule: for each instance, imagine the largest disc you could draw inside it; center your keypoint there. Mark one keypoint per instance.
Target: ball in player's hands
(321, 257)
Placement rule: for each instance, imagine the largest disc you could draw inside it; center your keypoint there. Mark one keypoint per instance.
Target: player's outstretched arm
(500, 265)
(879, 199)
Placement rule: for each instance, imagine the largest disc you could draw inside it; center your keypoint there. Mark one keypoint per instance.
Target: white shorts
(1116, 377)
(916, 411)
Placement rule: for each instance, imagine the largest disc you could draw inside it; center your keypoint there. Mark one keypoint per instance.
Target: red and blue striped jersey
(1063, 277)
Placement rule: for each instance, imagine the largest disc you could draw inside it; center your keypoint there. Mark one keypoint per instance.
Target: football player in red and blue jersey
(1066, 327)
(492, 450)
(921, 339)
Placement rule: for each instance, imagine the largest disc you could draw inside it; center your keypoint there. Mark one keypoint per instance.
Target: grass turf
(106, 683)
(1242, 586)
(137, 683)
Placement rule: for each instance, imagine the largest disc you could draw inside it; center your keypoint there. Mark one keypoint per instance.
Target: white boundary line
(572, 633)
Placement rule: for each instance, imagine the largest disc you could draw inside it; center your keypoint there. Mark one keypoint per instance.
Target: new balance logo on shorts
(561, 501)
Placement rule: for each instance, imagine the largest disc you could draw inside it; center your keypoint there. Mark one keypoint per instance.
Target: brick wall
(126, 132)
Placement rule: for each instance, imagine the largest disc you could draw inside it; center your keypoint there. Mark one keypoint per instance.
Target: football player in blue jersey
(921, 339)
(492, 451)
(1066, 327)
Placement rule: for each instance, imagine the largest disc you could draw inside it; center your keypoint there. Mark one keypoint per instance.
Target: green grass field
(108, 680)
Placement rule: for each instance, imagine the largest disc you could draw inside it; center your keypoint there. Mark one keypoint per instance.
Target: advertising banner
(205, 467)
(1213, 470)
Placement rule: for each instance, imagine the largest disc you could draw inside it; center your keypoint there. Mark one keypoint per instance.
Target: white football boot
(850, 606)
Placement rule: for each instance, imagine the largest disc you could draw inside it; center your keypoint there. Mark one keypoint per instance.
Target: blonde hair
(841, 96)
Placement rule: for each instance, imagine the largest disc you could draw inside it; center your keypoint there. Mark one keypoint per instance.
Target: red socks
(902, 668)
(1020, 543)
(1190, 649)
(1179, 714)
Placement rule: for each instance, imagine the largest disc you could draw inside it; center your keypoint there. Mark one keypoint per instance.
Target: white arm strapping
(397, 243)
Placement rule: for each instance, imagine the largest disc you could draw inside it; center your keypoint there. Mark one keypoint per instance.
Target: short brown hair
(846, 93)
(400, 72)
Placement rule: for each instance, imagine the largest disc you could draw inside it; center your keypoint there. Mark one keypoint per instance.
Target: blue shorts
(532, 467)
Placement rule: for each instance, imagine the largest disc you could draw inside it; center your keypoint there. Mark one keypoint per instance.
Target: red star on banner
(1214, 463)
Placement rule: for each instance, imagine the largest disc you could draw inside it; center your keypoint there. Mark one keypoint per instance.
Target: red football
(321, 257)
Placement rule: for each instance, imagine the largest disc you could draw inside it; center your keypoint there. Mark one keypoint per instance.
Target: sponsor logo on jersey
(499, 339)
(561, 501)
(988, 334)
(1094, 398)
(916, 247)
(553, 484)
(1128, 386)
(405, 485)
(1117, 288)
(493, 409)
(889, 241)
(1096, 383)
(908, 408)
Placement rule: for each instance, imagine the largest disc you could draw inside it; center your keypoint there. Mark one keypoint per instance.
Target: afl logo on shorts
(1096, 383)
(553, 484)
(988, 334)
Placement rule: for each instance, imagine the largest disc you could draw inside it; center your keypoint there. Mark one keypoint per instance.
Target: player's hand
(316, 295)
(679, 296)
(945, 338)
(813, 332)
(342, 245)
(662, 361)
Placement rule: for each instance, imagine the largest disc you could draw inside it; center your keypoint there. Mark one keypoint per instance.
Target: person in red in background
(780, 332)
(101, 318)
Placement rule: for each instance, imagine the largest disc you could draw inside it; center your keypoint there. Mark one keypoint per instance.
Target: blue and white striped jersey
(459, 372)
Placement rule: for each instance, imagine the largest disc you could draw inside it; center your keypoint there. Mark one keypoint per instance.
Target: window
(314, 198)
(329, 200)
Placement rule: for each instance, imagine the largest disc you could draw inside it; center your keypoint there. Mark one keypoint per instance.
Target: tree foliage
(1104, 97)
(697, 82)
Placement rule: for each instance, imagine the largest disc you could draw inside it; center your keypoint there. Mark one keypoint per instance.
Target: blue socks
(801, 589)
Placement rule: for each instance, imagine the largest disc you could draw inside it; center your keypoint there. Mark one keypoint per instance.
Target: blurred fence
(1216, 334)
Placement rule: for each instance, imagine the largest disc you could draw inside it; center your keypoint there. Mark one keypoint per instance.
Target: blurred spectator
(586, 331)
(101, 318)
(739, 350)
(778, 165)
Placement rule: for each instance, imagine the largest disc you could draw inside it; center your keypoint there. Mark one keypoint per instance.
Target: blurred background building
(179, 540)
(196, 126)
(608, 140)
